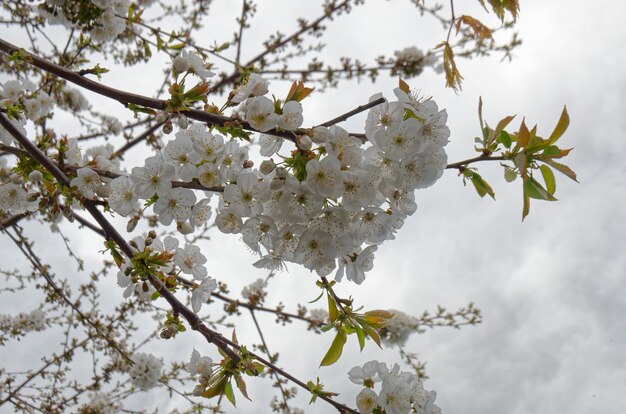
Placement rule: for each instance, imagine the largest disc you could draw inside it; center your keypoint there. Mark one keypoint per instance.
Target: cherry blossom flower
(270, 144)
(87, 182)
(402, 140)
(254, 85)
(199, 364)
(201, 294)
(366, 401)
(176, 204)
(201, 212)
(366, 375)
(228, 222)
(324, 177)
(255, 291)
(260, 113)
(356, 265)
(291, 118)
(315, 249)
(259, 229)
(247, 196)
(122, 198)
(207, 145)
(155, 177)
(382, 117)
(191, 261)
(196, 64)
(15, 200)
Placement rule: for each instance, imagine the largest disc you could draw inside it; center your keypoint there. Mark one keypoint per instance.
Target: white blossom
(145, 371)
(191, 261)
(154, 177)
(202, 293)
(260, 113)
(366, 401)
(291, 118)
(87, 182)
(254, 85)
(15, 200)
(199, 364)
(175, 205)
(123, 198)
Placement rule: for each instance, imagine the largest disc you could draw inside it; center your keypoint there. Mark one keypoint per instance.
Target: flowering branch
(111, 233)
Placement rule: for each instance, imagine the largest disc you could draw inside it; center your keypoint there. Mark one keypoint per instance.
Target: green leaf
(560, 127)
(500, 128)
(548, 178)
(526, 208)
(372, 333)
(535, 190)
(336, 348)
(216, 389)
(332, 309)
(481, 186)
(551, 151)
(360, 336)
(509, 174)
(505, 139)
(242, 386)
(228, 392)
(563, 169)
(317, 298)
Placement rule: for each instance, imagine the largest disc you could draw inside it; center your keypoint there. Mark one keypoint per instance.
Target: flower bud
(167, 127)
(277, 184)
(281, 172)
(35, 176)
(132, 223)
(161, 117)
(320, 135)
(16, 179)
(103, 191)
(267, 166)
(304, 142)
(182, 122)
(152, 234)
(68, 213)
(184, 227)
(248, 164)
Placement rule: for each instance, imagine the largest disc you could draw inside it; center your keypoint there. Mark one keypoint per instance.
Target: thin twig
(353, 112)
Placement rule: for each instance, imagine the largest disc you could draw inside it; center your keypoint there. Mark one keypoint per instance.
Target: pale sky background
(551, 289)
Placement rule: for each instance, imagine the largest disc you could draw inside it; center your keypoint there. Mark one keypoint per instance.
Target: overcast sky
(551, 289)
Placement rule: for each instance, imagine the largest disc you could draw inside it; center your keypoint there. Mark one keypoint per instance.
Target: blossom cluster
(400, 392)
(100, 403)
(23, 322)
(145, 371)
(108, 25)
(168, 258)
(398, 328)
(35, 103)
(327, 205)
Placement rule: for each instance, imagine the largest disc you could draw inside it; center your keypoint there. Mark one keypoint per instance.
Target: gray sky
(554, 331)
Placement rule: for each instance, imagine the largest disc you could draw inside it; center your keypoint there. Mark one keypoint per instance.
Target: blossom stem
(461, 165)
(353, 112)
